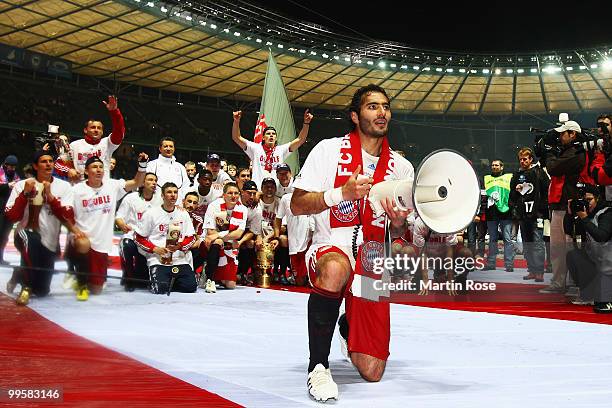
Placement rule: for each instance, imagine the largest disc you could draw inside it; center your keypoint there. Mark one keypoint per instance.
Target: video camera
(547, 141)
(52, 141)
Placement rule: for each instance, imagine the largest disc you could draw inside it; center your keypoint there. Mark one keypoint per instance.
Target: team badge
(370, 251)
(346, 211)
(175, 269)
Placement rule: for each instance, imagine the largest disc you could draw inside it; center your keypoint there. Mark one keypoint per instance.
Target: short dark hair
(357, 100)
(167, 185)
(141, 188)
(192, 193)
(166, 139)
(499, 160)
(264, 132)
(227, 186)
(605, 116)
(590, 188)
(240, 170)
(93, 120)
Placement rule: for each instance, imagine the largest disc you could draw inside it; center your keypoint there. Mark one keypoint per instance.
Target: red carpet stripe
(516, 299)
(35, 352)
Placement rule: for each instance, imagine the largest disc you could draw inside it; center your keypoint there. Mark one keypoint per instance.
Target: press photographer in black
(591, 265)
(566, 161)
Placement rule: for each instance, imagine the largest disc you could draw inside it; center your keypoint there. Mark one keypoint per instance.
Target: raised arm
(118, 131)
(236, 137)
(297, 142)
(138, 179)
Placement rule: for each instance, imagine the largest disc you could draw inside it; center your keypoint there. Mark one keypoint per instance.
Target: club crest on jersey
(370, 251)
(346, 211)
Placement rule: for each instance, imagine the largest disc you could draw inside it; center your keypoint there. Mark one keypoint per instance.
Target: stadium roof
(220, 49)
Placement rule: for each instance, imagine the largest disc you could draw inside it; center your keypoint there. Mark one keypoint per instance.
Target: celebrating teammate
(268, 154)
(333, 185)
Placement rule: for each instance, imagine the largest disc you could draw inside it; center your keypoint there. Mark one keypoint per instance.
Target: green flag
(276, 111)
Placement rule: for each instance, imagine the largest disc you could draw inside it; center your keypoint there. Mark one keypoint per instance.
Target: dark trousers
(5, 230)
(133, 265)
(533, 245)
(583, 272)
(476, 233)
(161, 276)
(37, 262)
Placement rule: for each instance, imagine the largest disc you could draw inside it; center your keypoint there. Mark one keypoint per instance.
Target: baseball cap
(93, 159)
(213, 156)
(268, 180)
(569, 125)
(249, 185)
(11, 160)
(283, 167)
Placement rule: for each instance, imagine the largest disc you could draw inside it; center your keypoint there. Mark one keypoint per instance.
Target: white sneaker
(321, 385)
(210, 286)
(70, 282)
(344, 348)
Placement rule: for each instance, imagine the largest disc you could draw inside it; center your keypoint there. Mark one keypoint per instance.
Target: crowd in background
(202, 222)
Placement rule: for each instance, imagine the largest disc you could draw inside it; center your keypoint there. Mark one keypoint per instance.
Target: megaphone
(445, 192)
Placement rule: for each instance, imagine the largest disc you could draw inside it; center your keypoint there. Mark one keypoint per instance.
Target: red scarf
(346, 214)
(91, 140)
(236, 215)
(269, 157)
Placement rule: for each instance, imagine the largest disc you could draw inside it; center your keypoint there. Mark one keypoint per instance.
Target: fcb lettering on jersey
(82, 157)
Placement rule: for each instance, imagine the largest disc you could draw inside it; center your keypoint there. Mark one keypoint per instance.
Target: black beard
(369, 130)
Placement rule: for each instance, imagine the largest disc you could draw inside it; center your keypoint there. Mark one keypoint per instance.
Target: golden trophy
(172, 238)
(265, 263)
(35, 205)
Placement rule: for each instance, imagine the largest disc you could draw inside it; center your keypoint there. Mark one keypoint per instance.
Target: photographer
(528, 200)
(601, 165)
(566, 163)
(591, 266)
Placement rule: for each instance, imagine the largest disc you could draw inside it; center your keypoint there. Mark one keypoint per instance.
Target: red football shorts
(369, 321)
(226, 272)
(298, 264)
(98, 266)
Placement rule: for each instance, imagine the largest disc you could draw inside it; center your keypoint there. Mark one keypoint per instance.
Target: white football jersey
(49, 224)
(94, 212)
(299, 231)
(81, 151)
(155, 225)
(132, 209)
(319, 174)
(257, 154)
